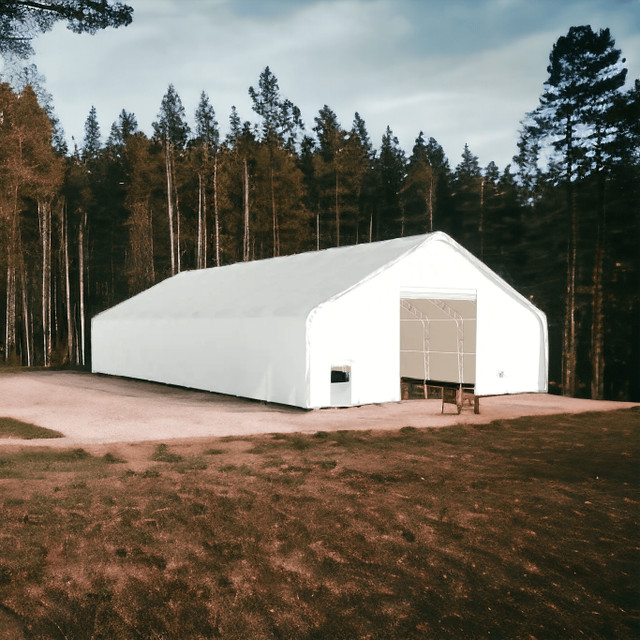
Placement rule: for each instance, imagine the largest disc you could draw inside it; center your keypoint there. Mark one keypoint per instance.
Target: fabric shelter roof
(284, 286)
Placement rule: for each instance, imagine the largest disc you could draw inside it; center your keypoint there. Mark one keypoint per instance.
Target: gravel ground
(94, 409)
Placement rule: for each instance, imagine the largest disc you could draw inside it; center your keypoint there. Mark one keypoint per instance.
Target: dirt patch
(89, 408)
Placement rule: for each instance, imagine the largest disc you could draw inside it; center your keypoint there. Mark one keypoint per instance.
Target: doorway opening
(438, 349)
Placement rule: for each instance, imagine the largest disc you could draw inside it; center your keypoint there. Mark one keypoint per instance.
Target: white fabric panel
(257, 358)
(360, 329)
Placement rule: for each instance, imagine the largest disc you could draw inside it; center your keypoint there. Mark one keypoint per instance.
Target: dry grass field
(524, 528)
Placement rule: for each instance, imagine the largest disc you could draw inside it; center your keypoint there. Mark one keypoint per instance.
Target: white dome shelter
(338, 327)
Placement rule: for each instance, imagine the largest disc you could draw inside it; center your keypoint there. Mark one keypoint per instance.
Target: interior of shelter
(438, 349)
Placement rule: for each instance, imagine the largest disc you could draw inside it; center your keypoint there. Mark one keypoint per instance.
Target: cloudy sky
(459, 70)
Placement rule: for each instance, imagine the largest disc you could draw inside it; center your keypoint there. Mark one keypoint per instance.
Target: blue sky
(462, 71)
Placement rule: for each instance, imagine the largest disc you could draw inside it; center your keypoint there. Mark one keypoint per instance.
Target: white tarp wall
(361, 328)
(260, 358)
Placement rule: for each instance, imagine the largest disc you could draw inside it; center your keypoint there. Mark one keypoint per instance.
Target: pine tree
(418, 193)
(237, 168)
(204, 149)
(306, 160)
(356, 163)
(172, 131)
(91, 145)
(621, 264)
(329, 176)
(468, 201)
(427, 189)
(20, 77)
(585, 75)
(390, 169)
(280, 123)
(235, 126)
(144, 174)
(109, 248)
(488, 210)
(506, 230)
(367, 196)
(126, 125)
(281, 119)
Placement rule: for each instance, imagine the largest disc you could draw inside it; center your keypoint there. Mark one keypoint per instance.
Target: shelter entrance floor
(92, 409)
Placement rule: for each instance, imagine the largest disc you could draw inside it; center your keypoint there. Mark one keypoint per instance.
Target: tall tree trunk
(569, 350)
(215, 208)
(178, 260)
(274, 215)
(204, 229)
(597, 300)
(140, 255)
(81, 252)
(50, 298)
(481, 221)
(169, 178)
(430, 203)
(55, 320)
(10, 312)
(151, 265)
(44, 218)
(199, 254)
(10, 337)
(358, 210)
(245, 193)
(64, 230)
(25, 316)
(43, 241)
(337, 206)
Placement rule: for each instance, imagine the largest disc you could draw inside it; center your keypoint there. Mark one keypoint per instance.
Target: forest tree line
(84, 229)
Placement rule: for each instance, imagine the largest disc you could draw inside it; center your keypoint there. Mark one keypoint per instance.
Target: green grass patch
(25, 462)
(12, 428)
(191, 463)
(109, 458)
(162, 454)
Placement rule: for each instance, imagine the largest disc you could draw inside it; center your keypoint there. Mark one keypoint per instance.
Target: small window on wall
(341, 374)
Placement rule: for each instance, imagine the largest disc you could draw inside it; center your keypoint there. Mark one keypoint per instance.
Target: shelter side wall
(261, 358)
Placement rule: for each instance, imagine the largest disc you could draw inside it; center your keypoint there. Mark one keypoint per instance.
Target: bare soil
(92, 409)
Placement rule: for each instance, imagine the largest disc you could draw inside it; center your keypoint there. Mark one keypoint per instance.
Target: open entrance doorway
(438, 348)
